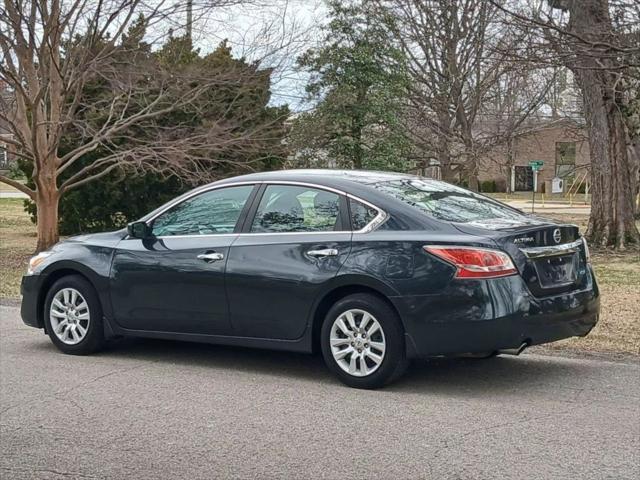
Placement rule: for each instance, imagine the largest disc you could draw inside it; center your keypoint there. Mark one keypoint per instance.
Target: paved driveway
(155, 409)
(551, 207)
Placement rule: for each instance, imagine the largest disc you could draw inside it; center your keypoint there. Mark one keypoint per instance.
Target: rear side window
(286, 208)
(361, 215)
(448, 202)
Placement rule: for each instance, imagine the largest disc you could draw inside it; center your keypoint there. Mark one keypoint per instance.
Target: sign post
(535, 165)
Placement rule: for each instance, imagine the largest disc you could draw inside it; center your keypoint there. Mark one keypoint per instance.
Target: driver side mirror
(139, 230)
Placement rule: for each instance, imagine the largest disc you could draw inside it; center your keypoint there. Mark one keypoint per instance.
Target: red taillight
(473, 262)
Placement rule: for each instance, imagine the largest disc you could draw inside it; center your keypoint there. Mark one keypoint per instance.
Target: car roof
(326, 177)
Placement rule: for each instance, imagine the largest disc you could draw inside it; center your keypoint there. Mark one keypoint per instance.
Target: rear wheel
(363, 342)
(73, 316)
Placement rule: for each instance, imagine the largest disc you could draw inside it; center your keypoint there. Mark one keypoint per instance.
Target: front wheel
(73, 316)
(363, 342)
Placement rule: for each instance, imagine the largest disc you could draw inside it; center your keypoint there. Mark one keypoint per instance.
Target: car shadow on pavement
(258, 361)
(451, 376)
(497, 376)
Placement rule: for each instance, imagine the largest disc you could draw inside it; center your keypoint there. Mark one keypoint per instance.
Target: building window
(565, 159)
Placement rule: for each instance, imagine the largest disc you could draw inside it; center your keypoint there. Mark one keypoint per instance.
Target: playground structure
(581, 178)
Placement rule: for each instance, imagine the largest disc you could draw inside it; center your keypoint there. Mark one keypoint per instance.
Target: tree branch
(18, 186)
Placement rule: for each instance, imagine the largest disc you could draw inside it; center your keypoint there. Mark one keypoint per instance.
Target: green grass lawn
(17, 244)
(618, 276)
(619, 327)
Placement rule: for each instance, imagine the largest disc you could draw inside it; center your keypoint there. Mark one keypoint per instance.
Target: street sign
(536, 165)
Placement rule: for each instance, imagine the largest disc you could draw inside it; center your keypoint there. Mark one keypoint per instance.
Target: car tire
(73, 316)
(384, 357)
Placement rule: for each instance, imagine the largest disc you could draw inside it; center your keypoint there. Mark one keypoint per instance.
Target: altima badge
(524, 240)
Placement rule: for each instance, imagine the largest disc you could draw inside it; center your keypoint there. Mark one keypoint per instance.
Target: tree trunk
(446, 170)
(444, 148)
(611, 222)
(357, 125)
(510, 162)
(47, 218)
(474, 181)
(471, 163)
(612, 174)
(634, 156)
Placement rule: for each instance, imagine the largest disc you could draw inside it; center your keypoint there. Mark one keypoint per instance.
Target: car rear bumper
(491, 315)
(30, 288)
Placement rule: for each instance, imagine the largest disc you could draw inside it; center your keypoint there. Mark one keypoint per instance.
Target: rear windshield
(448, 202)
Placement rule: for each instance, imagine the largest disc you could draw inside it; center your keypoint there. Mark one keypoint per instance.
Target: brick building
(561, 144)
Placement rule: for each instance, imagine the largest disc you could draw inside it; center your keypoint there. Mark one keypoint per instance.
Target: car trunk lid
(550, 257)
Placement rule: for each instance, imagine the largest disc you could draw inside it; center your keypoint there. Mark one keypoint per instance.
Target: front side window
(448, 202)
(286, 208)
(209, 213)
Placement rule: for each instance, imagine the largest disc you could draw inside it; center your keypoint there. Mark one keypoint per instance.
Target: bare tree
(445, 43)
(53, 50)
(459, 60)
(600, 76)
(599, 40)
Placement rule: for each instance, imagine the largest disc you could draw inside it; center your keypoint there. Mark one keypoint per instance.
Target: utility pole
(190, 19)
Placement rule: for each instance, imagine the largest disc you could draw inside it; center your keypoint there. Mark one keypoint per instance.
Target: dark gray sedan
(373, 269)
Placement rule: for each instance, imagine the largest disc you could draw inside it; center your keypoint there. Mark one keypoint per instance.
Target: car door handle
(211, 257)
(327, 252)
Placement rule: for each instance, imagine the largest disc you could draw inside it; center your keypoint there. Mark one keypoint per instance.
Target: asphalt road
(155, 409)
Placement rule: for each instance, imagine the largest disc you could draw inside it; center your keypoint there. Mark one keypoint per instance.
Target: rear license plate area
(557, 271)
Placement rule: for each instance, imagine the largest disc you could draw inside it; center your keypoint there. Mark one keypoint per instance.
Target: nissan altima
(372, 269)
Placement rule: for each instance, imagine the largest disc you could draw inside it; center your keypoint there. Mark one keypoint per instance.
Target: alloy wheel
(357, 342)
(69, 316)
